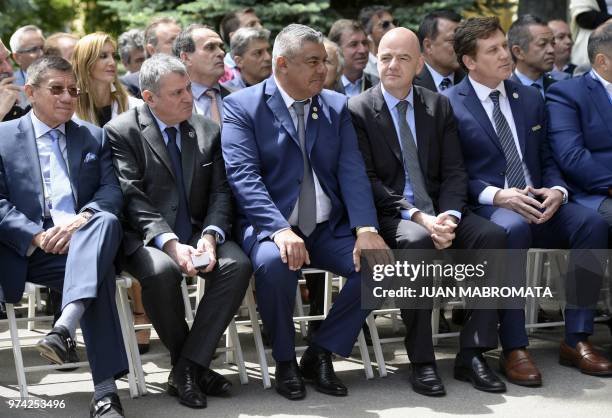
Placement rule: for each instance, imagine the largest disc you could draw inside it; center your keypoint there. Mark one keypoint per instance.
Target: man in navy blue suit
(580, 128)
(58, 226)
(514, 182)
(302, 193)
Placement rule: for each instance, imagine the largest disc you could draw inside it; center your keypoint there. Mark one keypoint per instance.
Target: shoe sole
(291, 397)
(173, 392)
(323, 390)
(436, 393)
(459, 375)
(48, 353)
(570, 363)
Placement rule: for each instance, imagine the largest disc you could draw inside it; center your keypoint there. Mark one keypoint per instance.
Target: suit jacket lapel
(423, 129)
(473, 104)
(518, 109)
(153, 136)
(600, 99)
(26, 143)
(277, 105)
(385, 123)
(189, 143)
(427, 80)
(74, 151)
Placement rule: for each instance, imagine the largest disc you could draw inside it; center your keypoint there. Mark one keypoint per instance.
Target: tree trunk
(544, 9)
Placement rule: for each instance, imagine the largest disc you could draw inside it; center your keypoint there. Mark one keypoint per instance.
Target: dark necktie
(307, 205)
(182, 225)
(411, 162)
(445, 84)
(539, 88)
(514, 166)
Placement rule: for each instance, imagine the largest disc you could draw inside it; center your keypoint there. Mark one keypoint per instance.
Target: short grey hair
(600, 42)
(291, 39)
(132, 39)
(15, 41)
(519, 33)
(37, 71)
(156, 67)
(239, 44)
(339, 54)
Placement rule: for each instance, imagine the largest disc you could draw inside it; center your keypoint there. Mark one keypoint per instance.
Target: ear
(149, 98)
(420, 64)
(29, 92)
(150, 49)
(185, 58)
(518, 52)
(238, 60)
(426, 45)
(16, 58)
(281, 64)
(469, 62)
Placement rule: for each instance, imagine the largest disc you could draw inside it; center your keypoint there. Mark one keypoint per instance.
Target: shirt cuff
(454, 213)
(407, 214)
(280, 230)
(487, 195)
(564, 191)
(31, 250)
(217, 230)
(162, 239)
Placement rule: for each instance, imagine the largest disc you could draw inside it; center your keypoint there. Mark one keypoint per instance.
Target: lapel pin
(315, 116)
(515, 95)
(314, 109)
(191, 134)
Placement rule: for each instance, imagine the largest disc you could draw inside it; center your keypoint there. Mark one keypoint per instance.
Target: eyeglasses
(386, 24)
(59, 90)
(31, 50)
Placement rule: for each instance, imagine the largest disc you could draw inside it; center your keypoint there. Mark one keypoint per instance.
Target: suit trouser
(160, 278)
(87, 273)
(473, 232)
(605, 210)
(276, 284)
(572, 226)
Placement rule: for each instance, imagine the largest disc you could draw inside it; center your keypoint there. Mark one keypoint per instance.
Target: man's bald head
(399, 60)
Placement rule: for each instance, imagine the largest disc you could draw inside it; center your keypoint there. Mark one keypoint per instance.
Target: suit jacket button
(502, 173)
(173, 207)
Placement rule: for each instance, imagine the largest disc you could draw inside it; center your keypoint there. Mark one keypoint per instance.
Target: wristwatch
(361, 229)
(212, 232)
(87, 214)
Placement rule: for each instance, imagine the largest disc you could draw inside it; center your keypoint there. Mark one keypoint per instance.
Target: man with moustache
(201, 50)
(293, 163)
(408, 138)
(531, 44)
(250, 50)
(563, 68)
(178, 206)
(436, 33)
(352, 39)
(515, 182)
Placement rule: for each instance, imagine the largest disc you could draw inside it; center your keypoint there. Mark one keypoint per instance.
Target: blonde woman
(102, 98)
(102, 95)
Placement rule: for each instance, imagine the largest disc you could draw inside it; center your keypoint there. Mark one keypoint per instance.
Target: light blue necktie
(62, 201)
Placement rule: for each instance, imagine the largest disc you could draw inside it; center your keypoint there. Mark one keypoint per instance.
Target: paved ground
(566, 392)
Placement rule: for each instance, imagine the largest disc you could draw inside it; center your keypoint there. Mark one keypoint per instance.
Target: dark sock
(572, 339)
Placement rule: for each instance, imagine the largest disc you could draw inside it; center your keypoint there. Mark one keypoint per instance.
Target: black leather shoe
(58, 347)
(425, 380)
(214, 384)
(443, 325)
(317, 367)
(182, 382)
(289, 382)
(108, 406)
(475, 369)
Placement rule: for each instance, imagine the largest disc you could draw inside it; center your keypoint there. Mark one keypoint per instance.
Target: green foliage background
(116, 16)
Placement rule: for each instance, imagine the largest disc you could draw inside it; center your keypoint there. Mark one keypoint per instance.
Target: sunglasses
(386, 24)
(32, 50)
(59, 90)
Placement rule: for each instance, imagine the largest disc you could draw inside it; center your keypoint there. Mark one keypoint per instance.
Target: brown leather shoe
(519, 368)
(585, 358)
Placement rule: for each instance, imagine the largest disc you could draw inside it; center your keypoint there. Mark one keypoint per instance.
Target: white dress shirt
(437, 77)
(323, 203)
(161, 239)
(488, 194)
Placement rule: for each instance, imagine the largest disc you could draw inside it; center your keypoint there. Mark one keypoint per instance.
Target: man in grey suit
(178, 206)
(58, 226)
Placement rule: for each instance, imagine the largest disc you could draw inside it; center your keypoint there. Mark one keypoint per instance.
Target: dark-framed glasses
(59, 90)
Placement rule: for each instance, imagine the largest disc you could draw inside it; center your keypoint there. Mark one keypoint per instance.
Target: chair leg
(229, 348)
(32, 308)
(19, 370)
(365, 356)
(126, 341)
(376, 345)
(299, 307)
(237, 349)
(188, 311)
(261, 352)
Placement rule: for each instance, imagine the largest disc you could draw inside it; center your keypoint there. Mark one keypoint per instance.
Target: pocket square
(536, 128)
(90, 157)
